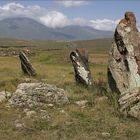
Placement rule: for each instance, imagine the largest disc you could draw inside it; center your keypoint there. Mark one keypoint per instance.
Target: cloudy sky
(99, 14)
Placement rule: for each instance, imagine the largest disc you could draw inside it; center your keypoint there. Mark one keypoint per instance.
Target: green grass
(74, 123)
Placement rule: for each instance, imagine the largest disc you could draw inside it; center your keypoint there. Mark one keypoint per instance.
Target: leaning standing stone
(79, 59)
(26, 65)
(124, 65)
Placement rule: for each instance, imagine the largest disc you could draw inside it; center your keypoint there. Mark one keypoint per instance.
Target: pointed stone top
(129, 20)
(130, 16)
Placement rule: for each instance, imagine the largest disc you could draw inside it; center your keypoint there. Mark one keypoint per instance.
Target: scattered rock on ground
(62, 111)
(50, 105)
(81, 103)
(4, 95)
(37, 94)
(106, 134)
(30, 114)
(19, 124)
(44, 115)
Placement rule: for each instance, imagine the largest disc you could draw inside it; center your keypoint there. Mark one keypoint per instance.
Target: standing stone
(26, 65)
(79, 59)
(124, 65)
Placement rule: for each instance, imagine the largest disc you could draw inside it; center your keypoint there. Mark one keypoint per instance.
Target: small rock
(82, 103)
(19, 125)
(2, 96)
(26, 110)
(50, 105)
(43, 111)
(106, 134)
(83, 107)
(8, 95)
(62, 111)
(30, 114)
(44, 114)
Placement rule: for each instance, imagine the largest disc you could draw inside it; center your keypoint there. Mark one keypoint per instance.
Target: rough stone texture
(26, 65)
(4, 95)
(13, 51)
(106, 134)
(81, 103)
(124, 65)
(37, 94)
(30, 114)
(79, 59)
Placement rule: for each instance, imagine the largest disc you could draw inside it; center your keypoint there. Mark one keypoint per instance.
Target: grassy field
(99, 119)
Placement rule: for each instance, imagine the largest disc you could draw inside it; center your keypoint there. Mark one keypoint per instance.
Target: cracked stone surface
(26, 65)
(124, 65)
(37, 94)
(79, 59)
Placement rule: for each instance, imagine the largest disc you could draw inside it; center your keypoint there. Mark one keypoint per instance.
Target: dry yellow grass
(68, 122)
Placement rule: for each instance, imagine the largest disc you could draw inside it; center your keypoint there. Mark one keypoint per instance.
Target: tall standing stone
(124, 65)
(79, 59)
(26, 65)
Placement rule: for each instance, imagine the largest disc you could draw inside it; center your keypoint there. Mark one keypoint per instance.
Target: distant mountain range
(29, 29)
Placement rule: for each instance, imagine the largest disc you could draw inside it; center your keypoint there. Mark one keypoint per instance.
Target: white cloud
(15, 9)
(80, 21)
(55, 19)
(105, 24)
(51, 19)
(99, 24)
(12, 6)
(72, 3)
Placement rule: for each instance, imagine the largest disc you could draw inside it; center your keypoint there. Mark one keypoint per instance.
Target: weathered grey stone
(45, 115)
(2, 96)
(79, 59)
(5, 95)
(26, 65)
(19, 124)
(124, 65)
(81, 103)
(37, 94)
(106, 134)
(31, 114)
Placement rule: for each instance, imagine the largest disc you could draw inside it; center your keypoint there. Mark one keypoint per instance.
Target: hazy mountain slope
(85, 32)
(25, 28)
